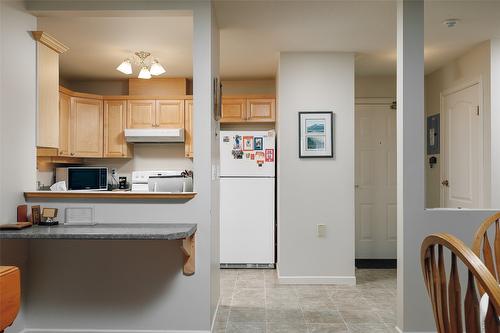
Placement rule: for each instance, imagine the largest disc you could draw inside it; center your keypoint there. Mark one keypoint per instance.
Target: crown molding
(49, 41)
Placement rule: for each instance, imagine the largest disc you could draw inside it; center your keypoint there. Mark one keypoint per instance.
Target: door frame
(443, 121)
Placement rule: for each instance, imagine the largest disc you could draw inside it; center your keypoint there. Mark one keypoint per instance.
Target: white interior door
(375, 182)
(461, 173)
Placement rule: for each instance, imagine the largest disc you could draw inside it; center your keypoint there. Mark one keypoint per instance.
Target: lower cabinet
(115, 122)
(86, 119)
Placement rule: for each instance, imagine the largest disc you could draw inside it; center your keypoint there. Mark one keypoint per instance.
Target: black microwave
(83, 178)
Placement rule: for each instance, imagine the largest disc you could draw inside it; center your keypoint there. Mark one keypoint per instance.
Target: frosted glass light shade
(156, 68)
(125, 67)
(144, 73)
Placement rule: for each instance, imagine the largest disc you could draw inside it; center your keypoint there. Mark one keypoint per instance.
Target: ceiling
(253, 32)
(97, 45)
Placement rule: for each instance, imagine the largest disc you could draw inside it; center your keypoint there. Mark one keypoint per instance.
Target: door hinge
(477, 110)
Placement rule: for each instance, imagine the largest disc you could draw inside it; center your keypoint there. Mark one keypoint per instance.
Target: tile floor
(253, 301)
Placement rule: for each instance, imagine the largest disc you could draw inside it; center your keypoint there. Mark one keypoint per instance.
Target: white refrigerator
(247, 192)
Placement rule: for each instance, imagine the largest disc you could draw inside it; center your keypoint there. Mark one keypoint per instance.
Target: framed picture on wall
(316, 137)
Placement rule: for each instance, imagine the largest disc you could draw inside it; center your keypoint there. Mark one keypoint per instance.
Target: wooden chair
(446, 296)
(482, 248)
(10, 295)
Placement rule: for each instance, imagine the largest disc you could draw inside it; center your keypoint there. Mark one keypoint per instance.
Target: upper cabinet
(243, 110)
(64, 124)
(141, 113)
(48, 50)
(86, 127)
(188, 128)
(260, 110)
(115, 122)
(170, 113)
(155, 113)
(233, 110)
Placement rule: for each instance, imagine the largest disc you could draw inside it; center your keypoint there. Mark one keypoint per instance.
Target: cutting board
(18, 225)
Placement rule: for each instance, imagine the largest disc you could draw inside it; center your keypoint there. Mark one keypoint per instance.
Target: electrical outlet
(113, 171)
(321, 229)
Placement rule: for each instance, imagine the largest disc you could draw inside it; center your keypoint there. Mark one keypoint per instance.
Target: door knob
(445, 183)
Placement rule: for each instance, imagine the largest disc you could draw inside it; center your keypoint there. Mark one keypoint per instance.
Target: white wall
(495, 122)
(98, 87)
(247, 87)
(313, 191)
(472, 65)
(98, 286)
(17, 128)
(375, 86)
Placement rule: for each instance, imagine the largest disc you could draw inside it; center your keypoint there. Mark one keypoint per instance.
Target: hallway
(253, 301)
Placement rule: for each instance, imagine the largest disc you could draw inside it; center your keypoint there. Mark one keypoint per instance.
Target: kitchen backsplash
(146, 157)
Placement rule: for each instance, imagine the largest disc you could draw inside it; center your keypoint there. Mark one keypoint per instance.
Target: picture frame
(36, 214)
(316, 134)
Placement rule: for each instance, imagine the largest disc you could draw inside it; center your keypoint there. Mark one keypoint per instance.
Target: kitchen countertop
(143, 231)
(108, 195)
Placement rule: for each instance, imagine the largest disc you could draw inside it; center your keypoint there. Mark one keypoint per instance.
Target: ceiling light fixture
(144, 61)
(451, 23)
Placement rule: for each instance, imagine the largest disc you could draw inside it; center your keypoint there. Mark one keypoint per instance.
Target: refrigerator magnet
(248, 143)
(237, 142)
(226, 138)
(252, 157)
(237, 154)
(269, 155)
(258, 143)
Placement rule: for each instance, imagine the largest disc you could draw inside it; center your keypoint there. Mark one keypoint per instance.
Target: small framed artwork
(247, 143)
(316, 137)
(36, 215)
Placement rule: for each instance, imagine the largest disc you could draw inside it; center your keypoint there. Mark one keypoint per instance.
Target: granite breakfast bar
(144, 231)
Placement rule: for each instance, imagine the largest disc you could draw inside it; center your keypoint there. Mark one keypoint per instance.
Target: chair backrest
(482, 248)
(446, 295)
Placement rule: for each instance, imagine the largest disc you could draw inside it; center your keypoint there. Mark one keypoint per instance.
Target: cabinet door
(260, 110)
(141, 113)
(86, 127)
(233, 110)
(115, 121)
(170, 113)
(48, 97)
(188, 128)
(64, 125)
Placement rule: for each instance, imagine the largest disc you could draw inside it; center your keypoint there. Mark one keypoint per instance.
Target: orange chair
(445, 294)
(10, 295)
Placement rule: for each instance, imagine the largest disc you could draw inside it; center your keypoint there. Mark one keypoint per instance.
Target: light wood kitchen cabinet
(115, 122)
(260, 110)
(245, 110)
(169, 114)
(188, 128)
(141, 113)
(86, 127)
(233, 110)
(64, 125)
(47, 52)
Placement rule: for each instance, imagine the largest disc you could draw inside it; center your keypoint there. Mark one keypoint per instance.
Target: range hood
(156, 135)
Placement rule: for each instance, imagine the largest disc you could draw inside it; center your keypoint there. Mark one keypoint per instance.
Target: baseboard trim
(215, 315)
(344, 280)
(51, 330)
